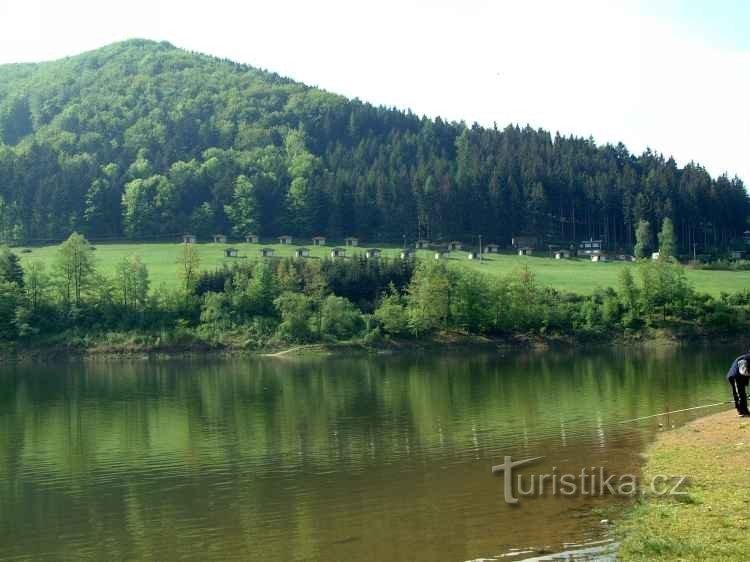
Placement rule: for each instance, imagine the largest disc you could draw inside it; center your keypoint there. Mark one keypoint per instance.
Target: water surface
(351, 459)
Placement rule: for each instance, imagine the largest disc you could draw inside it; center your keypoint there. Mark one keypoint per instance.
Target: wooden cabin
(655, 256)
(454, 246)
(319, 240)
(590, 247)
(625, 257)
(351, 241)
(302, 253)
(266, 252)
(286, 239)
(373, 253)
(188, 239)
(599, 257)
(231, 253)
(474, 255)
(252, 239)
(422, 244)
(407, 254)
(338, 253)
(562, 254)
(439, 255)
(491, 249)
(526, 251)
(220, 239)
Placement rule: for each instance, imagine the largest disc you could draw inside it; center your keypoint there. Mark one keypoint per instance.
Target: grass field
(575, 275)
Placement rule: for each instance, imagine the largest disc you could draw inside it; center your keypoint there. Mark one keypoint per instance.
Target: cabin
(373, 253)
(351, 241)
(220, 239)
(525, 241)
(491, 249)
(422, 244)
(338, 253)
(525, 251)
(188, 239)
(474, 255)
(302, 253)
(231, 253)
(286, 239)
(454, 246)
(655, 256)
(266, 252)
(590, 247)
(319, 240)
(439, 255)
(407, 254)
(252, 239)
(599, 257)
(625, 257)
(562, 254)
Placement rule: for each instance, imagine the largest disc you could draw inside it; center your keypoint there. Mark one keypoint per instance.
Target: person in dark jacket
(738, 378)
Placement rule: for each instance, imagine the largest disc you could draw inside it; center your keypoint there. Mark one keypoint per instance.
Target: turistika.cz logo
(590, 481)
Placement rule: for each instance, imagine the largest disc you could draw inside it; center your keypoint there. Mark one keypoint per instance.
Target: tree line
(277, 301)
(140, 139)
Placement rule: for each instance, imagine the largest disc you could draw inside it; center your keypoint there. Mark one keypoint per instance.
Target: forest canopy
(143, 140)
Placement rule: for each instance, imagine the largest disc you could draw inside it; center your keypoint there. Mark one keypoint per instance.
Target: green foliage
(429, 297)
(392, 313)
(10, 267)
(642, 239)
(667, 240)
(296, 311)
(74, 269)
(131, 283)
(340, 319)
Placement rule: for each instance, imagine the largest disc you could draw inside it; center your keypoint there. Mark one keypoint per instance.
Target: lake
(371, 458)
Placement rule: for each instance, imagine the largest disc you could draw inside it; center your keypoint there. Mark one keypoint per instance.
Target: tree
(243, 212)
(667, 240)
(642, 239)
(295, 310)
(189, 267)
(429, 297)
(131, 282)
(10, 267)
(74, 269)
(37, 285)
(340, 318)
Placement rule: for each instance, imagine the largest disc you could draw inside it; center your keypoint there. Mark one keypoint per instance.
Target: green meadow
(575, 275)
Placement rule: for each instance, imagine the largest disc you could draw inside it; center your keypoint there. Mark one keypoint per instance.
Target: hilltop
(143, 140)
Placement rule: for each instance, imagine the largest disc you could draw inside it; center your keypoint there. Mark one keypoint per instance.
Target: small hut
(319, 240)
(266, 252)
(408, 254)
(251, 238)
(737, 255)
(655, 255)
(491, 249)
(625, 257)
(562, 254)
(590, 247)
(286, 239)
(474, 255)
(351, 241)
(220, 239)
(454, 246)
(302, 253)
(521, 241)
(373, 253)
(599, 257)
(439, 255)
(422, 244)
(188, 239)
(338, 253)
(231, 253)
(526, 251)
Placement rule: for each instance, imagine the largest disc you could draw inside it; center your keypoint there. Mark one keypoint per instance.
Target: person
(738, 378)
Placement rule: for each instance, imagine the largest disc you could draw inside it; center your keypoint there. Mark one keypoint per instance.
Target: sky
(670, 75)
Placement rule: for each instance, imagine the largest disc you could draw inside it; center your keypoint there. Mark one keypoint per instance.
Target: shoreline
(145, 346)
(709, 521)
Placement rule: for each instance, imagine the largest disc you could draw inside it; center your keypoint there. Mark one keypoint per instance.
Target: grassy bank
(711, 521)
(577, 275)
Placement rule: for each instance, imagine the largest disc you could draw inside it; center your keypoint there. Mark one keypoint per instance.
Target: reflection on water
(322, 459)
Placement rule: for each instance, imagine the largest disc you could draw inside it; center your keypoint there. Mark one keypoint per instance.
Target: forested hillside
(141, 140)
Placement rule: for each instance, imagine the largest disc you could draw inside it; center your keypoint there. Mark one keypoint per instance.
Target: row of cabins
(254, 239)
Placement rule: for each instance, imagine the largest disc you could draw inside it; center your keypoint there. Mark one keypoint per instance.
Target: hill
(143, 140)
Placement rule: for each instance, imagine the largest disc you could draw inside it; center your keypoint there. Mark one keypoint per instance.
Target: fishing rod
(678, 411)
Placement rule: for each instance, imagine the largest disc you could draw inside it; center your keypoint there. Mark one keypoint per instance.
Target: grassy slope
(579, 276)
(711, 522)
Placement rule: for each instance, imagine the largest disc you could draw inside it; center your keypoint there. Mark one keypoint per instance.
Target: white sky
(618, 71)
